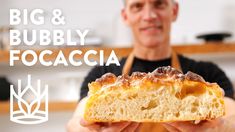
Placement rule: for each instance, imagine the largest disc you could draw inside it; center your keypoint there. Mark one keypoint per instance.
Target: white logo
(33, 112)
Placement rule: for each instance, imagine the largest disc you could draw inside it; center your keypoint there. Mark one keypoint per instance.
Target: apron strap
(175, 63)
(128, 64)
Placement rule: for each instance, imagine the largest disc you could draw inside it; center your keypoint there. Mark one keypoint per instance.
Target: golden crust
(185, 91)
(161, 76)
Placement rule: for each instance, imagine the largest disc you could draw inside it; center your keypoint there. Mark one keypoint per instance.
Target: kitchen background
(107, 29)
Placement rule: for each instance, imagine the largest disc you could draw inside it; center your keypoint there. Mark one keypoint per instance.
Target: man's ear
(175, 11)
(124, 17)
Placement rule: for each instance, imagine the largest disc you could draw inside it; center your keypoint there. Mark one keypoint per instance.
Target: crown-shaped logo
(33, 112)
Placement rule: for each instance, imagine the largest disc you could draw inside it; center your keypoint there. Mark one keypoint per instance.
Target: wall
(203, 16)
(195, 17)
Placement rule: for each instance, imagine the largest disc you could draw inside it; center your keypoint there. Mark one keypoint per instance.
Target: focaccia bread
(164, 95)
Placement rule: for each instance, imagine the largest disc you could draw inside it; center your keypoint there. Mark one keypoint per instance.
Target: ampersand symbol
(58, 19)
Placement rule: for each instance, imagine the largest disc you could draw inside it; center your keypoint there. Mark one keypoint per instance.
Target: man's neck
(160, 52)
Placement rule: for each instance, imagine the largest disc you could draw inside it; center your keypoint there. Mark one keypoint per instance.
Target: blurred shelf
(53, 107)
(123, 52)
(205, 48)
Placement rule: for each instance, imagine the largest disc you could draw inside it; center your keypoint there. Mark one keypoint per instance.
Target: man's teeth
(155, 27)
(151, 27)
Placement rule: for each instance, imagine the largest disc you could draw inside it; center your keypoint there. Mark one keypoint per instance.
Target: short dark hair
(124, 1)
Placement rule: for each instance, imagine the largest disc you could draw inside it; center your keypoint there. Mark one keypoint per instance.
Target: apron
(150, 127)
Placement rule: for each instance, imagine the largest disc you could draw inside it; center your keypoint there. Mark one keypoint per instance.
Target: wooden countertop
(53, 106)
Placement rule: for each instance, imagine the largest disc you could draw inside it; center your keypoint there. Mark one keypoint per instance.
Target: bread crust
(163, 95)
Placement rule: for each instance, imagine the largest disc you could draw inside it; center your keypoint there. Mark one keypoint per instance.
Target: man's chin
(152, 43)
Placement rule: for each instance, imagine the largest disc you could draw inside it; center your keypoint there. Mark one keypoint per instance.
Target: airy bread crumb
(161, 96)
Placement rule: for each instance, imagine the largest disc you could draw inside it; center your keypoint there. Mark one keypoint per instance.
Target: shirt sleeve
(95, 73)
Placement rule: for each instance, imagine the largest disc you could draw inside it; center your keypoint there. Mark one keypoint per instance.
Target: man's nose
(149, 14)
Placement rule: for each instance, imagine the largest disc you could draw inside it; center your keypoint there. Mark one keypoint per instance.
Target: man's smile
(151, 29)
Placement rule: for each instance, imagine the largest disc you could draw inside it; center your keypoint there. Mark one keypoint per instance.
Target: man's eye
(136, 7)
(160, 4)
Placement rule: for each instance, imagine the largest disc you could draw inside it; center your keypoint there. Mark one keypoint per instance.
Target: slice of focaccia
(164, 95)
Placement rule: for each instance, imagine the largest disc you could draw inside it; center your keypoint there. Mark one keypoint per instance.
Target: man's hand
(186, 126)
(218, 125)
(111, 127)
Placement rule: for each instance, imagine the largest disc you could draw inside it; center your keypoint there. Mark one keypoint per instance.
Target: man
(150, 22)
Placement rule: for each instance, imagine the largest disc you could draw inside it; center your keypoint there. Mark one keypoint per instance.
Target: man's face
(150, 20)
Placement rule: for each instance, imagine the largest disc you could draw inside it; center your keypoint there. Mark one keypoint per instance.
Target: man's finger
(90, 125)
(85, 123)
(222, 91)
(131, 127)
(116, 127)
(182, 126)
(170, 128)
